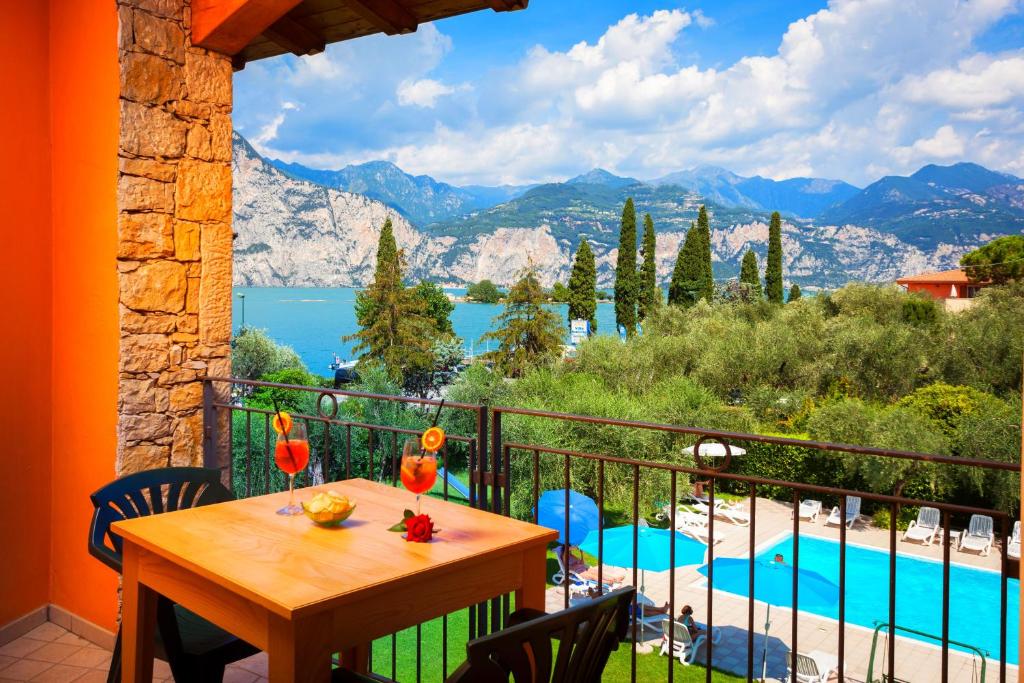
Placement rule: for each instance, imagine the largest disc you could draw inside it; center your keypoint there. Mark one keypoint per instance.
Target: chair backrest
(928, 517)
(587, 634)
(680, 634)
(852, 506)
(805, 667)
(148, 493)
(981, 525)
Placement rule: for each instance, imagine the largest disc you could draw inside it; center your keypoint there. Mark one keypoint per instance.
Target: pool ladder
(879, 625)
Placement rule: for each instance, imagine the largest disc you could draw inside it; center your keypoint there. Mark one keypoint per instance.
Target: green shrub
(254, 354)
(883, 516)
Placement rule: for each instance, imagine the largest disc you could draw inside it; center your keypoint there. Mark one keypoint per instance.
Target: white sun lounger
(695, 524)
(978, 536)
(810, 509)
(1013, 547)
(852, 513)
(925, 527)
(684, 648)
(814, 667)
(734, 512)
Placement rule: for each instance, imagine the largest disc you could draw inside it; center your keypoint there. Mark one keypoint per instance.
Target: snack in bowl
(328, 509)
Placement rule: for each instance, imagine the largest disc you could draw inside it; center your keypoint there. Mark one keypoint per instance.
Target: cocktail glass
(419, 469)
(291, 453)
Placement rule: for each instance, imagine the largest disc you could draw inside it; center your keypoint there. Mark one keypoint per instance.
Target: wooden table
(301, 593)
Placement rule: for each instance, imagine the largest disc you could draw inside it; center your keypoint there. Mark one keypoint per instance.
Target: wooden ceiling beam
(508, 5)
(390, 16)
(295, 37)
(227, 26)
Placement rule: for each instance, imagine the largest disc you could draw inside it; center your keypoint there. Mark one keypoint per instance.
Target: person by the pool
(686, 619)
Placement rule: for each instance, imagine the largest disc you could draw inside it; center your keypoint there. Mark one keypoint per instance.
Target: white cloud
(976, 82)
(855, 90)
(946, 143)
(422, 93)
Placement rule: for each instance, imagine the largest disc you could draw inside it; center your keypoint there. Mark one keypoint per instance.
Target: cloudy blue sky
(850, 89)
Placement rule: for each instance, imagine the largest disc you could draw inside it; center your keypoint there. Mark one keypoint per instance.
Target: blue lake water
(313, 320)
(973, 599)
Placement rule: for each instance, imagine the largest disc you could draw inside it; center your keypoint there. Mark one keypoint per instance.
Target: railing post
(497, 468)
(209, 425)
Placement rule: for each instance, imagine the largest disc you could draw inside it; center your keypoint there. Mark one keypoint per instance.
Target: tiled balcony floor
(915, 661)
(49, 653)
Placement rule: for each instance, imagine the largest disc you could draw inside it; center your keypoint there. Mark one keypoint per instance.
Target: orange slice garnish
(432, 440)
(282, 423)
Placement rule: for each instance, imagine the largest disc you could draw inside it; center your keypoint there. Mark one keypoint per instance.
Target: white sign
(579, 330)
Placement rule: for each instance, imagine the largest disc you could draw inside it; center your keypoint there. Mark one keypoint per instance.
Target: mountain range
(298, 226)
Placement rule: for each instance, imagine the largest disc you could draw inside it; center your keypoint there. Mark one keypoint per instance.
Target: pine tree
(626, 281)
(773, 268)
(583, 287)
(794, 292)
(527, 333)
(394, 326)
(749, 273)
(650, 294)
(706, 277)
(682, 290)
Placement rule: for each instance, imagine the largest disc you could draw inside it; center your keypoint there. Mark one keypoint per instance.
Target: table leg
(357, 658)
(531, 594)
(138, 621)
(300, 650)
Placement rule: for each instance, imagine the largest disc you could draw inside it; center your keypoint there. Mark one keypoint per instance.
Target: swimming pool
(973, 597)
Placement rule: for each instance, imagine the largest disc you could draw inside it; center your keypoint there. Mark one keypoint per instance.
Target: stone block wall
(174, 233)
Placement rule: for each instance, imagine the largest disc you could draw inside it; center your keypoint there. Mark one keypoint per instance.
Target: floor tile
(256, 664)
(23, 670)
(59, 673)
(90, 658)
(92, 676)
(48, 632)
(234, 674)
(20, 647)
(53, 652)
(72, 639)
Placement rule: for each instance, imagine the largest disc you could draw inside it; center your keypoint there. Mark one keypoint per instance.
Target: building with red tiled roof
(948, 284)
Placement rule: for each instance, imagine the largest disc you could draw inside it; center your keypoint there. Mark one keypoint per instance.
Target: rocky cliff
(293, 232)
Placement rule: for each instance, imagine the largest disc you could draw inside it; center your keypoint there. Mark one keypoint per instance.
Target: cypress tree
(626, 289)
(773, 268)
(706, 277)
(682, 290)
(749, 274)
(583, 287)
(794, 292)
(650, 295)
(395, 328)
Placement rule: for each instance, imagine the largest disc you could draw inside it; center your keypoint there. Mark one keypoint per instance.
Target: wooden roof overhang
(255, 29)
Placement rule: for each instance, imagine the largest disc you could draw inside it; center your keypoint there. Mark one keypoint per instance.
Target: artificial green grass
(649, 667)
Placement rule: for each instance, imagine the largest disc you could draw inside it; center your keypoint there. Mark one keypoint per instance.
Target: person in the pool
(779, 559)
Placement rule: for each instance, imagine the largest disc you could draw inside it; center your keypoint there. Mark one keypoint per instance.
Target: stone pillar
(174, 233)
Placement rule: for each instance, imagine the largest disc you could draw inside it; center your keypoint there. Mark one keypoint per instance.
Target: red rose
(419, 529)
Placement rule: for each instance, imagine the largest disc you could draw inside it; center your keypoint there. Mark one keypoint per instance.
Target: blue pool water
(973, 599)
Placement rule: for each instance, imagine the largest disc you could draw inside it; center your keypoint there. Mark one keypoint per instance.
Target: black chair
(195, 649)
(522, 652)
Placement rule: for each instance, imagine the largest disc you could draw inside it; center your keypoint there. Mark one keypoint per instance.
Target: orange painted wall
(939, 291)
(84, 86)
(25, 400)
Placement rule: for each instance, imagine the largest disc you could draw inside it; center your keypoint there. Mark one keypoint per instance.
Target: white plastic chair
(925, 527)
(684, 648)
(1013, 547)
(852, 513)
(978, 536)
(813, 667)
(809, 509)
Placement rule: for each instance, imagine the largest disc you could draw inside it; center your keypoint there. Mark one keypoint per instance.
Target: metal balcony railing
(503, 475)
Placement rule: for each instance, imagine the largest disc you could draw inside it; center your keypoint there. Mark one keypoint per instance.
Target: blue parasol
(583, 514)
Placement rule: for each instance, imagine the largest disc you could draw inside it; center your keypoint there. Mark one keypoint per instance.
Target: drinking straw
(438, 413)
